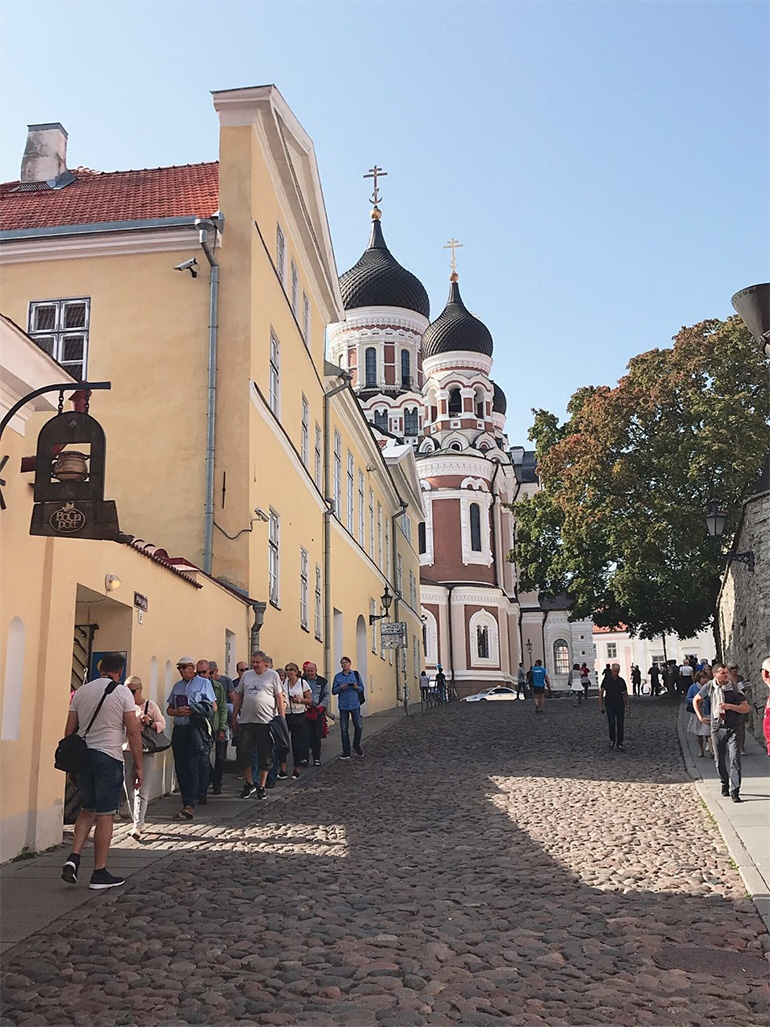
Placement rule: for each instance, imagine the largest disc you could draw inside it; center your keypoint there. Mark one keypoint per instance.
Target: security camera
(188, 265)
(260, 513)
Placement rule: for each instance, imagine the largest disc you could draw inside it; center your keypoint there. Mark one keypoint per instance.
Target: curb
(756, 886)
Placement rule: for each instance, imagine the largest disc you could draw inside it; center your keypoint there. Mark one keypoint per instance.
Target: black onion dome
(378, 280)
(456, 330)
(499, 402)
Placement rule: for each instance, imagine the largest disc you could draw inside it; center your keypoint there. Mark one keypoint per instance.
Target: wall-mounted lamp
(260, 513)
(111, 583)
(715, 522)
(385, 599)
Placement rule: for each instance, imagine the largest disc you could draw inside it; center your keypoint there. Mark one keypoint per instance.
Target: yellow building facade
(202, 293)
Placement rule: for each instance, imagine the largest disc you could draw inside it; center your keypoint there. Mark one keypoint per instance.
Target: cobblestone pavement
(479, 866)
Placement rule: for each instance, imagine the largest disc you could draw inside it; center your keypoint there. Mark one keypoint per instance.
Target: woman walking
(300, 697)
(148, 714)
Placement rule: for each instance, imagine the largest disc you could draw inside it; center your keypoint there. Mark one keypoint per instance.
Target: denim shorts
(100, 784)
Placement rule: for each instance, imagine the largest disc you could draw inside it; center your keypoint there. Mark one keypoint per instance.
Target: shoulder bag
(362, 693)
(72, 751)
(153, 741)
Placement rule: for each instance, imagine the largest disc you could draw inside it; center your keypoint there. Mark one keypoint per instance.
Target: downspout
(450, 590)
(204, 226)
(396, 591)
(328, 512)
(496, 534)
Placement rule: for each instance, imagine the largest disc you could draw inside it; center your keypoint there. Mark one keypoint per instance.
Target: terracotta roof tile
(189, 190)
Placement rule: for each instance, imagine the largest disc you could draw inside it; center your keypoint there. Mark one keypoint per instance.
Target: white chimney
(45, 155)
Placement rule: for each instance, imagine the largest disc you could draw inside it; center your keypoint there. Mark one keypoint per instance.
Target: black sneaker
(101, 879)
(304, 763)
(725, 789)
(316, 763)
(359, 750)
(295, 776)
(261, 793)
(344, 756)
(735, 796)
(619, 747)
(282, 775)
(248, 790)
(216, 790)
(70, 869)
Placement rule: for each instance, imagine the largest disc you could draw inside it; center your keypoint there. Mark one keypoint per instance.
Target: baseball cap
(185, 661)
(732, 666)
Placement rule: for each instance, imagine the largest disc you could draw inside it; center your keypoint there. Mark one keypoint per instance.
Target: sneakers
(248, 790)
(359, 750)
(261, 793)
(295, 776)
(725, 789)
(735, 796)
(619, 747)
(344, 756)
(306, 763)
(101, 879)
(316, 763)
(70, 869)
(612, 745)
(216, 790)
(282, 775)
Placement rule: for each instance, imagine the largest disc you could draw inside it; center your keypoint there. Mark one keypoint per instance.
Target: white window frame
(318, 602)
(274, 559)
(361, 510)
(351, 475)
(318, 456)
(280, 253)
(303, 588)
(484, 619)
(379, 535)
(53, 340)
(294, 294)
(337, 482)
(371, 523)
(612, 650)
(561, 643)
(306, 319)
(274, 388)
(304, 442)
(387, 553)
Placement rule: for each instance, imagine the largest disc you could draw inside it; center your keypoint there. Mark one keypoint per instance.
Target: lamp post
(385, 599)
(715, 522)
(529, 651)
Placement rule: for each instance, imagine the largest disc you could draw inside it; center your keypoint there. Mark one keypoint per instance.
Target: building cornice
(105, 239)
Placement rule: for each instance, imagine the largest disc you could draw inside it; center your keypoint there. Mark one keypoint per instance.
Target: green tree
(619, 521)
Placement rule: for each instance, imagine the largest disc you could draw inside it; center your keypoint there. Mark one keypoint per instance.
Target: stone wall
(744, 604)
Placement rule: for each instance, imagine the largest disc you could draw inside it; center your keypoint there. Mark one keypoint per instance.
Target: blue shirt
(348, 700)
(318, 689)
(538, 677)
(195, 690)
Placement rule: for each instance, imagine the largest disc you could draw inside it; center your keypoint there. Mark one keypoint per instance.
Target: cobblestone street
(479, 866)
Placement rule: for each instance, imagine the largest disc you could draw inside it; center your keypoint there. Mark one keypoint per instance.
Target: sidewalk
(32, 895)
(745, 826)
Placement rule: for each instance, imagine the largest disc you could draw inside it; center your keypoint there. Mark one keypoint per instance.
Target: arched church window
(561, 656)
(475, 514)
(482, 642)
(434, 413)
(381, 419)
(455, 403)
(406, 372)
(371, 365)
(410, 421)
(455, 447)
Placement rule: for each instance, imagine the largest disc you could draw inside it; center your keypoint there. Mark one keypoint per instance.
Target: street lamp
(529, 650)
(715, 522)
(385, 599)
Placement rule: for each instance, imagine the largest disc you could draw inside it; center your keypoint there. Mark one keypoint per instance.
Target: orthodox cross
(453, 245)
(375, 173)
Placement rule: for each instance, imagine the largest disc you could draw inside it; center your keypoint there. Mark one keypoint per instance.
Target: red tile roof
(189, 190)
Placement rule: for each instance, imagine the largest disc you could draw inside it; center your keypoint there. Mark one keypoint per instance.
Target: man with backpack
(102, 712)
(349, 689)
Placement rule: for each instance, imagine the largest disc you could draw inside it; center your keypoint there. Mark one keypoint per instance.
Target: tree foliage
(619, 521)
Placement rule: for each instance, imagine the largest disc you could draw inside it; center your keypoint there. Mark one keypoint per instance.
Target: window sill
(305, 628)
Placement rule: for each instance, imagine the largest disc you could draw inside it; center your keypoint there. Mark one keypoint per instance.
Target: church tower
(379, 342)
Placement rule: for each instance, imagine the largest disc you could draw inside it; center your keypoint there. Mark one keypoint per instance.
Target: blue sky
(605, 165)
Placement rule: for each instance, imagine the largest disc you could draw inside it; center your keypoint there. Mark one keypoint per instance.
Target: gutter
(95, 227)
(396, 592)
(204, 226)
(450, 590)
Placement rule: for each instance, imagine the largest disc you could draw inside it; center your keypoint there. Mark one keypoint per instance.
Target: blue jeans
(192, 767)
(358, 725)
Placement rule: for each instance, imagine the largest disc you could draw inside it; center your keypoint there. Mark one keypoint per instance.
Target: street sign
(393, 635)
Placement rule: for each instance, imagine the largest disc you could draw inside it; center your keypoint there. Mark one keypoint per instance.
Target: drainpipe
(206, 226)
(450, 590)
(394, 517)
(496, 528)
(329, 510)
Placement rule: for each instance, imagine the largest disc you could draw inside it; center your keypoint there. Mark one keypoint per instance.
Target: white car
(492, 695)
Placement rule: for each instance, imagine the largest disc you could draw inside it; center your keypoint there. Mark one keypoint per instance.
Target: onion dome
(456, 329)
(378, 280)
(499, 402)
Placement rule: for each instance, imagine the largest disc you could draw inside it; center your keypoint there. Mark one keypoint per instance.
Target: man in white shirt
(258, 698)
(101, 782)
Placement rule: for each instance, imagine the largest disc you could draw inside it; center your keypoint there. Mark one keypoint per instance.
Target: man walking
(540, 681)
(727, 704)
(348, 688)
(101, 781)
(191, 701)
(441, 684)
(521, 682)
(654, 675)
(636, 679)
(613, 698)
(319, 689)
(258, 699)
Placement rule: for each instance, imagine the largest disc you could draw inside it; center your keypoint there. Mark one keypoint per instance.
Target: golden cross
(375, 173)
(453, 245)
